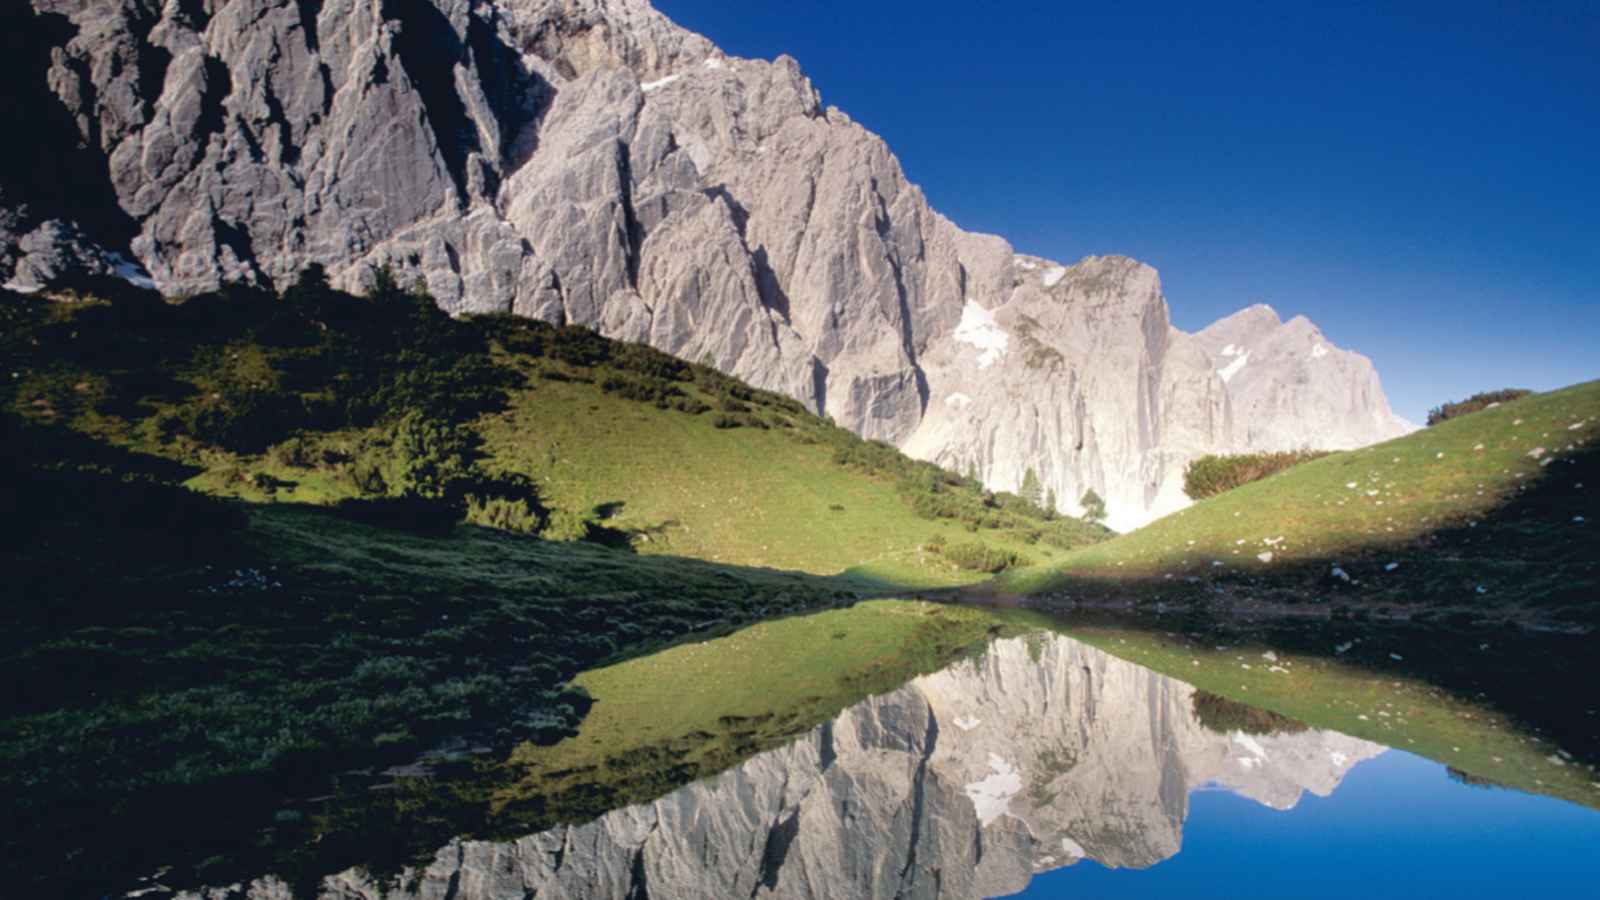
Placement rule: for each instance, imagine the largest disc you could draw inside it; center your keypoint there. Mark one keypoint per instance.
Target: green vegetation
(271, 542)
(974, 556)
(274, 546)
(1031, 491)
(1225, 716)
(389, 407)
(253, 654)
(1496, 706)
(1488, 517)
(657, 723)
(1209, 476)
(1475, 403)
(701, 708)
(1094, 507)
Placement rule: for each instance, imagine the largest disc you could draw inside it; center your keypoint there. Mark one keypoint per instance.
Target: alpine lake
(1084, 757)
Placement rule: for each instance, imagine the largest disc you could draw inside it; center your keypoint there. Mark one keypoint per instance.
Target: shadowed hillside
(1487, 517)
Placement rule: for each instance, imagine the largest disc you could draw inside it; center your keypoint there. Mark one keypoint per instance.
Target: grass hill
(1489, 516)
(321, 398)
(267, 540)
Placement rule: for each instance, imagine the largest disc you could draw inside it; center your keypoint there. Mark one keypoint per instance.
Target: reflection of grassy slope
(1460, 506)
(704, 707)
(245, 670)
(1378, 699)
(658, 722)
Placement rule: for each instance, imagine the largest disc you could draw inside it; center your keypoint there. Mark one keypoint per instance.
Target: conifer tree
(1031, 489)
(1094, 508)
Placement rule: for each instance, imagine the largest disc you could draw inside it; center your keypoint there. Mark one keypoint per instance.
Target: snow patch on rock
(1251, 744)
(991, 797)
(130, 272)
(1231, 369)
(650, 86)
(979, 329)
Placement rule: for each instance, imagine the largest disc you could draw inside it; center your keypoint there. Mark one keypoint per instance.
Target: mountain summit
(590, 162)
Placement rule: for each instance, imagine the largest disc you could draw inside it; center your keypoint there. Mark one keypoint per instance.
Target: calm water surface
(1048, 768)
(1397, 826)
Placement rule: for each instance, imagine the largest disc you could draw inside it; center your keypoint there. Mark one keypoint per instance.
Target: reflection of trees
(1471, 780)
(1224, 716)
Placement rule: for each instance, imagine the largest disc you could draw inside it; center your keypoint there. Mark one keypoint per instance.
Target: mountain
(1290, 387)
(588, 161)
(961, 784)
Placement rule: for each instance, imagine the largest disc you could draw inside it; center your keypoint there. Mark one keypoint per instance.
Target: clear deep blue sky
(1422, 180)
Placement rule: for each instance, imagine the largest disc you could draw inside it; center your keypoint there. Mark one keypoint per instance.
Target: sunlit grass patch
(1487, 510)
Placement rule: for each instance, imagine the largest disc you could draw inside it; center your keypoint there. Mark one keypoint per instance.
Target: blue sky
(1421, 180)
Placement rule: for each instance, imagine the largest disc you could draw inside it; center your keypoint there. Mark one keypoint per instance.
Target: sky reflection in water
(1398, 826)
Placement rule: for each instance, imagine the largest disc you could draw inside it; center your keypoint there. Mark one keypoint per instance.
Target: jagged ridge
(588, 161)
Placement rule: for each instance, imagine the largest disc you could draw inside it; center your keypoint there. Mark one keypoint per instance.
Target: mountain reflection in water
(1041, 754)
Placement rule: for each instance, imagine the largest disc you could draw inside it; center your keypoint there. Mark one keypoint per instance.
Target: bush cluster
(1209, 476)
(977, 557)
(937, 493)
(1475, 403)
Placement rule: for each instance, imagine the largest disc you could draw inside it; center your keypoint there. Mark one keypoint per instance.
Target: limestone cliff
(589, 161)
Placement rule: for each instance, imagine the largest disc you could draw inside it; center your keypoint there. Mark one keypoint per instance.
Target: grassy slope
(679, 484)
(251, 651)
(743, 496)
(1459, 506)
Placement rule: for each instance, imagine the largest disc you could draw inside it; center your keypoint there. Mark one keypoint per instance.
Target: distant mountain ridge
(589, 161)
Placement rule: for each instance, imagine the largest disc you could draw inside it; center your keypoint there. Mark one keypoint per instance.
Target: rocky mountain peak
(590, 162)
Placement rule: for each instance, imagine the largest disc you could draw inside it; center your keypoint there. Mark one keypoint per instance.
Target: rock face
(961, 784)
(1292, 388)
(588, 161)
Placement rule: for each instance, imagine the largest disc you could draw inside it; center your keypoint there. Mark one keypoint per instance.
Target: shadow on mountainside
(1530, 559)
